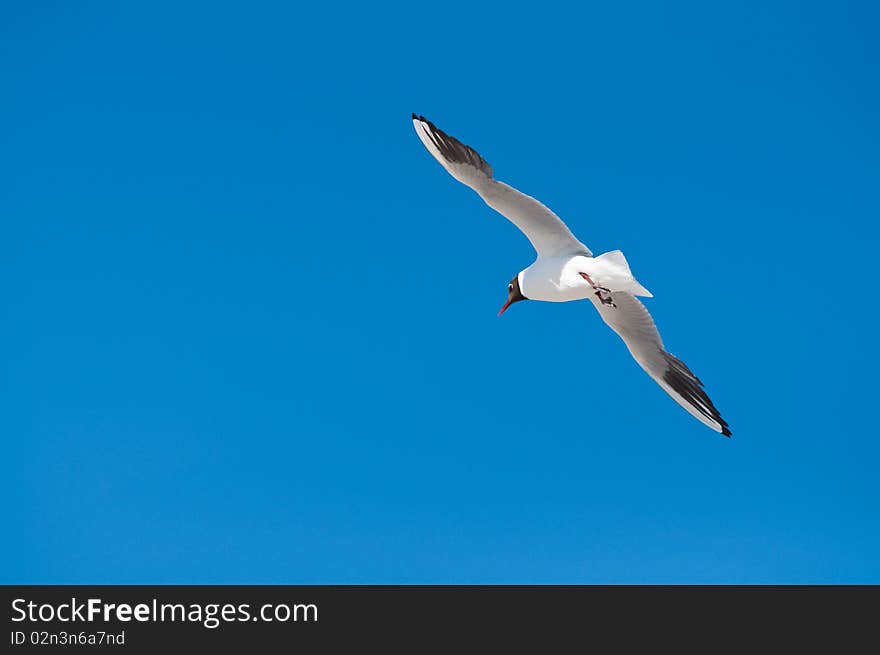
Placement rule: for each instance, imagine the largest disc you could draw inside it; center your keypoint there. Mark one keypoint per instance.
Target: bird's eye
(510, 287)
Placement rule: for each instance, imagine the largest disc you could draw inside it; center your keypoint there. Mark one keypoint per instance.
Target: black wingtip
(687, 385)
(415, 118)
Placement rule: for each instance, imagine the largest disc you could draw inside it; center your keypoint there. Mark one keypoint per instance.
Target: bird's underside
(552, 239)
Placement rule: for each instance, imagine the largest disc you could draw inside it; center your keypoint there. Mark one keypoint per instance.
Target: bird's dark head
(514, 294)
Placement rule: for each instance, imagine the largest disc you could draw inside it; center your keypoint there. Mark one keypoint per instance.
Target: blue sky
(250, 329)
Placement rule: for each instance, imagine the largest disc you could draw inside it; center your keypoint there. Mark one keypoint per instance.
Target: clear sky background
(249, 325)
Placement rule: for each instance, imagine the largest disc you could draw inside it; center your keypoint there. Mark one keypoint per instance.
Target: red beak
(506, 305)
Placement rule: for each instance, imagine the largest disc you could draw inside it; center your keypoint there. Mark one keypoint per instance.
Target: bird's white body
(558, 278)
(566, 270)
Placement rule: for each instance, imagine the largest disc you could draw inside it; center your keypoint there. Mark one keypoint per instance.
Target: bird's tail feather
(616, 259)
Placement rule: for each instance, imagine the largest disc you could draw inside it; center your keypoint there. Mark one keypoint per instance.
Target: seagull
(565, 270)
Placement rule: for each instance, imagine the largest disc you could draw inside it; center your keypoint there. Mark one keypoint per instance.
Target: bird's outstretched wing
(548, 234)
(634, 325)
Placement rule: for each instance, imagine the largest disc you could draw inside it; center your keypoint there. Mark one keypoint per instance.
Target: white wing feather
(546, 231)
(632, 322)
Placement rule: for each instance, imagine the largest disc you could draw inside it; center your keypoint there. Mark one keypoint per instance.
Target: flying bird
(565, 269)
